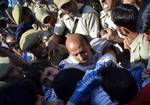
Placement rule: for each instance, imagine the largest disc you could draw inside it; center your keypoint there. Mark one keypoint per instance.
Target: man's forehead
(77, 51)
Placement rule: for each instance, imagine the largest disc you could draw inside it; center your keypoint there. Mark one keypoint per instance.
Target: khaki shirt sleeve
(93, 25)
(59, 27)
(88, 25)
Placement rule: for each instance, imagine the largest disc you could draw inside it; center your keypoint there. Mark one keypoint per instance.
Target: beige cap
(4, 66)
(41, 14)
(17, 13)
(60, 3)
(29, 39)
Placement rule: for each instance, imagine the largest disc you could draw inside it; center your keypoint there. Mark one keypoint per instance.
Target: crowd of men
(74, 52)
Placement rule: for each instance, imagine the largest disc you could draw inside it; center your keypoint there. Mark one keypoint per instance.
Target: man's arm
(93, 25)
(54, 39)
(90, 81)
(16, 59)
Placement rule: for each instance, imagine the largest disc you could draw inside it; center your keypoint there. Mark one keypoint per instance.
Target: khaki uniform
(42, 11)
(49, 6)
(140, 49)
(88, 22)
(31, 6)
(106, 22)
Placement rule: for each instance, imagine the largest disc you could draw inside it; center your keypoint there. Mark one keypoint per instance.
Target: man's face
(81, 52)
(106, 4)
(49, 74)
(70, 8)
(147, 35)
(129, 1)
(40, 51)
(49, 22)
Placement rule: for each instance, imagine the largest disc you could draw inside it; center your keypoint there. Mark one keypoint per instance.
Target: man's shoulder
(88, 10)
(67, 63)
(100, 97)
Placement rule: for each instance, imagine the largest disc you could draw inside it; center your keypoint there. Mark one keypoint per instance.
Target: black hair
(83, 38)
(115, 3)
(27, 12)
(19, 93)
(118, 83)
(34, 73)
(125, 15)
(3, 5)
(143, 22)
(65, 82)
(3, 23)
(112, 48)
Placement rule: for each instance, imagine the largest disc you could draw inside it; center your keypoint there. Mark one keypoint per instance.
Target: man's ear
(39, 100)
(124, 31)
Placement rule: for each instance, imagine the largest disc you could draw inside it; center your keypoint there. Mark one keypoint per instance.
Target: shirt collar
(104, 13)
(136, 41)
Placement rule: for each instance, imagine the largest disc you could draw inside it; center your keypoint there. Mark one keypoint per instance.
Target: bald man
(81, 55)
(79, 48)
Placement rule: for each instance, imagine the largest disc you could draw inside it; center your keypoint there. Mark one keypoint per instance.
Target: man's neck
(132, 36)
